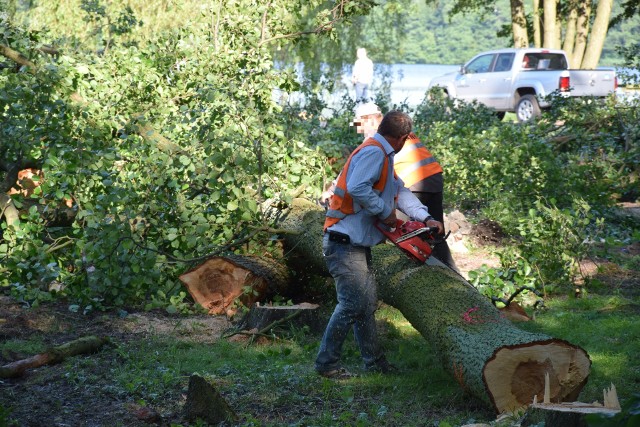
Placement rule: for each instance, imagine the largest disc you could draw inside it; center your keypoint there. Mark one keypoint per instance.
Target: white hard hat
(367, 109)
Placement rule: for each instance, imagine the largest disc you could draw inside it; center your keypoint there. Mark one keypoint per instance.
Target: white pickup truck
(518, 80)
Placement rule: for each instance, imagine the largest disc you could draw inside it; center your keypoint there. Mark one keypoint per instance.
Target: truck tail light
(615, 83)
(564, 84)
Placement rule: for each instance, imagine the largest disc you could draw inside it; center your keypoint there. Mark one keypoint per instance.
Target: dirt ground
(60, 401)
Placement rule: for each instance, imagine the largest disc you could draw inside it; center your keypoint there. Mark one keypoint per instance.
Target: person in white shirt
(362, 75)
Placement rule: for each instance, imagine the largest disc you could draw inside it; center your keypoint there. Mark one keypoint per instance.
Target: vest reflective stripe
(341, 203)
(414, 162)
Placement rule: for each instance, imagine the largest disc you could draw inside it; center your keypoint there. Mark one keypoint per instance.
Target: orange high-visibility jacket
(341, 203)
(414, 162)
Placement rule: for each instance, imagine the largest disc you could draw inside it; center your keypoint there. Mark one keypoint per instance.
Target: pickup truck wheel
(500, 114)
(527, 108)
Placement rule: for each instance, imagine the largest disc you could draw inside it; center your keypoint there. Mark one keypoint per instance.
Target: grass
(273, 383)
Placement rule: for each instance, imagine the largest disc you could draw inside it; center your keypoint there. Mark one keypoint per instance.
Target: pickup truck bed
(519, 80)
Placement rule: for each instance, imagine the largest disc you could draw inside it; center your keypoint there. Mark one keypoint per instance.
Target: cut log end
(219, 282)
(515, 375)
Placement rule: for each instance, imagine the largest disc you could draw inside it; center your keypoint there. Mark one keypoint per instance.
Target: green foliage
(631, 56)
(548, 246)
(503, 282)
(546, 185)
(5, 417)
(166, 149)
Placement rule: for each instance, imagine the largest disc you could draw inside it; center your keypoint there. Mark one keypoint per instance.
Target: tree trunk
(582, 33)
(519, 24)
(488, 356)
(536, 24)
(570, 34)
(598, 34)
(82, 345)
(219, 282)
(549, 24)
(8, 210)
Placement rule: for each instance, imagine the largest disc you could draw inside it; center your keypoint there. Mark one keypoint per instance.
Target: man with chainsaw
(367, 193)
(418, 169)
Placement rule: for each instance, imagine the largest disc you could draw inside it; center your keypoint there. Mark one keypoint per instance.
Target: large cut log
(219, 282)
(487, 354)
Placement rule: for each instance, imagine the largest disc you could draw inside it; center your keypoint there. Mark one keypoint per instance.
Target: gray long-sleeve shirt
(369, 206)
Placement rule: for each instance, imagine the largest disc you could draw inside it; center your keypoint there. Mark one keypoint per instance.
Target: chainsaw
(413, 238)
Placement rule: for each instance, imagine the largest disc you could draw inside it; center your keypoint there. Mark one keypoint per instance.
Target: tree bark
(550, 24)
(598, 34)
(570, 34)
(519, 24)
(536, 24)
(57, 354)
(488, 356)
(8, 210)
(205, 403)
(582, 33)
(17, 57)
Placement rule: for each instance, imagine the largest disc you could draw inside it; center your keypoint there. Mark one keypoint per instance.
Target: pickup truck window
(544, 61)
(481, 64)
(504, 62)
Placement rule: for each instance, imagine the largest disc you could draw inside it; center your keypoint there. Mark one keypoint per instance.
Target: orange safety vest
(341, 203)
(414, 162)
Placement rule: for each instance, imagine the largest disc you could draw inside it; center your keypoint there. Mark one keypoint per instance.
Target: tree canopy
(139, 141)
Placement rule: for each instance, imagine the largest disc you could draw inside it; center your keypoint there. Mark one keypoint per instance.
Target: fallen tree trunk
(219, 282)
(57, 354)
(487, 354)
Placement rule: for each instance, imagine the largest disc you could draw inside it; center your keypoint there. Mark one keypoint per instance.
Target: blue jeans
(357, 295)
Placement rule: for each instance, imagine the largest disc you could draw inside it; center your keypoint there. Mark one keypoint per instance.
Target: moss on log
(487, 354)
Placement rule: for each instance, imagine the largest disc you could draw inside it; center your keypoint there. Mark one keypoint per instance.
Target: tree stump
(264, 317)
(205, 402)
(568, 414)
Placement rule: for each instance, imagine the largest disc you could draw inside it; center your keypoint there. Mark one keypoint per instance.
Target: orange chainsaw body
(407, 237)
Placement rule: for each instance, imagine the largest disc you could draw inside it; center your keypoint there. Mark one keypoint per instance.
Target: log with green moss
(487, 355)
